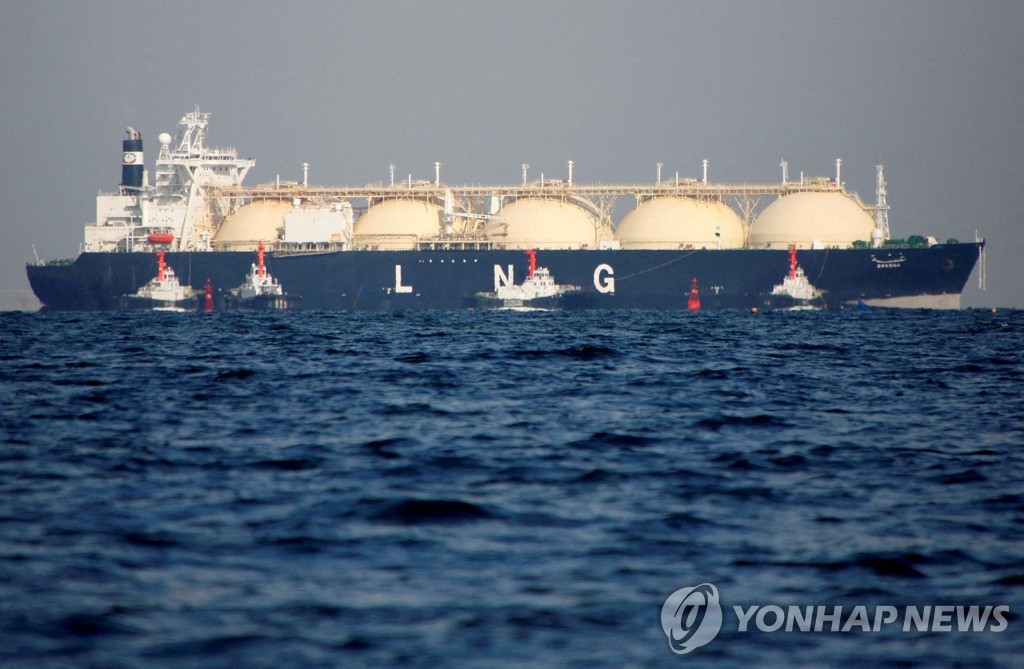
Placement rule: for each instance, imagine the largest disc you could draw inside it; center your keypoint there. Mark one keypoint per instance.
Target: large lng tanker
(426, 245)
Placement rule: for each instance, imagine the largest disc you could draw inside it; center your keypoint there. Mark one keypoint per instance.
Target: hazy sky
(932, 90)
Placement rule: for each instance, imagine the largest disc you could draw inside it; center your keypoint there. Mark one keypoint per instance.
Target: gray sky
(933, 90)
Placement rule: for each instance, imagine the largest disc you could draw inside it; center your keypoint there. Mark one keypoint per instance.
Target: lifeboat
(160, 238)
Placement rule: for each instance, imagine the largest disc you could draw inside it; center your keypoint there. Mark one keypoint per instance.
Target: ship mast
(881, 209)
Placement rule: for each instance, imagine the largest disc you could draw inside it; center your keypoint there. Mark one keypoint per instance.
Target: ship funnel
(131, 160)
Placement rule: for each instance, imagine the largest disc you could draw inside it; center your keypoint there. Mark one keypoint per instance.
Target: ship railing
(684, 189)
(215, 153)
(454, 243)
(454, 238)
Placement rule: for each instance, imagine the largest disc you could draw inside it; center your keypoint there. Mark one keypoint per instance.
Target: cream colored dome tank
(252, 223)
(805, 219)
(395, 225)
(678, 222)
(545, 224)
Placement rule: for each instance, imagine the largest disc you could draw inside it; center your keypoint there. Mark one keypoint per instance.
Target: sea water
(489, 489)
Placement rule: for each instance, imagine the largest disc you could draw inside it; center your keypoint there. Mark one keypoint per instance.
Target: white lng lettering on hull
(604, 278)
(399, 288)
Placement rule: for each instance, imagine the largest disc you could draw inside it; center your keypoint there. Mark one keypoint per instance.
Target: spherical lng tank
(395, 225)
(806, 220)
(530, 223)
(261, 221)
(678, 222)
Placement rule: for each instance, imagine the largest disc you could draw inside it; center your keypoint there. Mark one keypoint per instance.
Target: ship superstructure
(176, 212)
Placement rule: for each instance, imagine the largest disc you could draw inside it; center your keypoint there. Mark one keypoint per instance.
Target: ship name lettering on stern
(604, 278)
(399, 288)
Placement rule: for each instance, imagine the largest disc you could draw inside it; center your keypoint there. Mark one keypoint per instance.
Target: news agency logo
(691, 617)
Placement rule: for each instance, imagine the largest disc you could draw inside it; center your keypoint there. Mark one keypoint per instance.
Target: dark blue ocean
(467, 489)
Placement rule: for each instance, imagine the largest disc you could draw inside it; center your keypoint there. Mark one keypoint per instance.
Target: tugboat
(162, 293)
(795, 292)
(260, 290)
(538, 292)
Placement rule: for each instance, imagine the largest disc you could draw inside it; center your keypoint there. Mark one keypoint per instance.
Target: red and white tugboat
(163, 292)
(260, 290)
(795, 291)
(538, 292)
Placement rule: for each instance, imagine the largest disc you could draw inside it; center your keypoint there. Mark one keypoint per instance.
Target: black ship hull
(613, 279)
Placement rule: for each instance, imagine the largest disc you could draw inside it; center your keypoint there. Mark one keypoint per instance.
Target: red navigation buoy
(694, 303)
(208, 303)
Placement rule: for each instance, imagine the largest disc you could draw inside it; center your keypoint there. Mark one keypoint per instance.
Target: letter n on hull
(502, 279)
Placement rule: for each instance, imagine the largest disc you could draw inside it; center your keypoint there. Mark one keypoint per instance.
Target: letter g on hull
(691, 617)
(604, 278)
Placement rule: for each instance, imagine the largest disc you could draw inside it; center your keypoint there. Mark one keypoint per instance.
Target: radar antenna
(193, 131)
